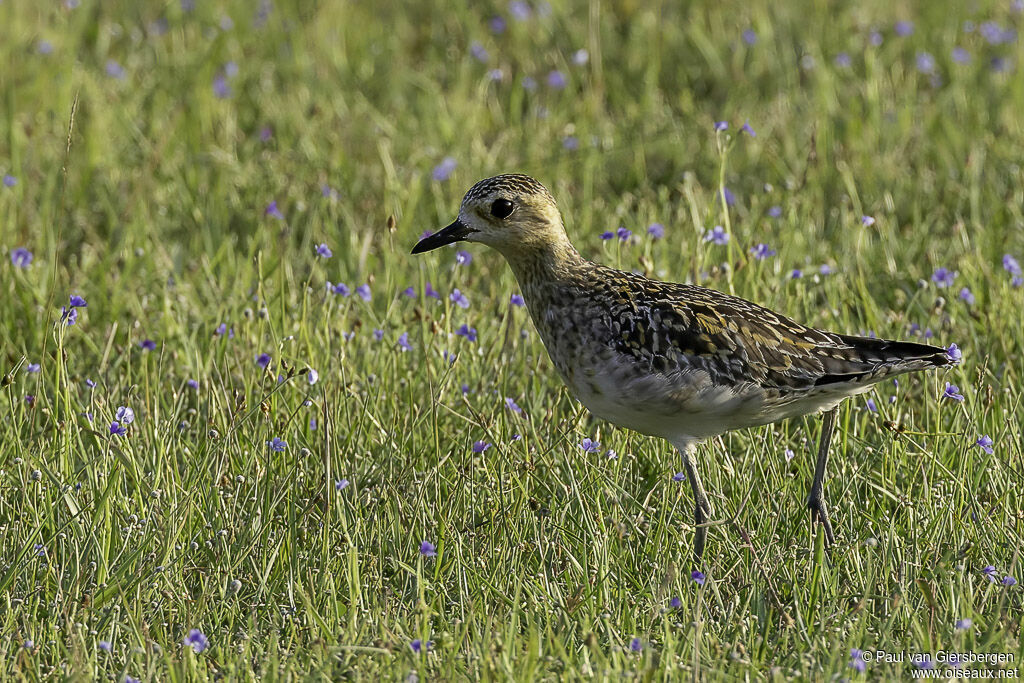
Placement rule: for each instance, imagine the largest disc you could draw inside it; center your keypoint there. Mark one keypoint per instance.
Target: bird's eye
(502, 208)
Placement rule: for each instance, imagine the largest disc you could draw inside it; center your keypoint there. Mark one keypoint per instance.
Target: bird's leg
(700, 498)
(816, 499)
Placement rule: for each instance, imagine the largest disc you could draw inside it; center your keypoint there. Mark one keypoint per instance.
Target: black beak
(453, 233)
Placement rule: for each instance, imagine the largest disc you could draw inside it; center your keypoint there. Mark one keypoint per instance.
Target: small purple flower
(69, 315)
(825, 269)
(340, 289)
(904, 28)
(745, 128)
(749, 37)
(89, 383)
(698, 577)
(589, 445)
(463, 258)
(263, 360)
(985, 443)
(409, 292)
(774, 211)
(478, 51)
(718, 235)
(466, 331)
(427, 549)
(607, 235)
(22, 257)
(966, 296)
(323, 251)
(788, 454)
(105, 645)
(925, 663)
(32, 368)
(867, 221)
(580, 57)
(277, 444)
(557, 80)
(796, 274)
(1009, 581)
(418, 645)
(364, 292)
(571, 143)
(656, 230)
(871, 405)
(963, 624)
(843, 60)
(221, 89)
(124, 415)
(341, 484)
(196, 640)
(721, 126)
(925, 63)
(762, 251)
(44, 47)
(1010, 264)
(431, 293)
(147, 345)
(378, 335)
(943, 277)
(679, 476)
(857, 661)
(529, 83)
(952, 391)
(517, 300)
(990, 572)
(273, 211)
(266, 132)
(636, 645)
(403, 342)
(444, 170)
(9, 180)
(512, 405)
(312, 376)
(117, 429)
(961, 56)
(519, 10)
(497, 25)
(623, 233)
(459, 299)
(192, 384)
(954, 353)
(76, 301)
(114, 70)
(675, 603)
(480, 446)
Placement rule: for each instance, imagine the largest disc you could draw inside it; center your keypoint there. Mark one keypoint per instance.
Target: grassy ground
(144, 144)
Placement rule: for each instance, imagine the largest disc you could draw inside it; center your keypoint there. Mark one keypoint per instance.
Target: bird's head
(512, 213)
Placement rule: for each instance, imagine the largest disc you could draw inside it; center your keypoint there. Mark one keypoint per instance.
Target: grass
(146, 194)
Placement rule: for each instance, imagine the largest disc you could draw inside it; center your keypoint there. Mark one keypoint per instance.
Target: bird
(677, 361)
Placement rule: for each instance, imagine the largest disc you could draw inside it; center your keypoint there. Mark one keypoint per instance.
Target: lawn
(265, 442)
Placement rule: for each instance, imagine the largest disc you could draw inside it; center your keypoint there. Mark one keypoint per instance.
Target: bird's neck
(542, 266)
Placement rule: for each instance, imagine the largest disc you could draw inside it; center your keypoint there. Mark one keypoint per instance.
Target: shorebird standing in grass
(677, 361)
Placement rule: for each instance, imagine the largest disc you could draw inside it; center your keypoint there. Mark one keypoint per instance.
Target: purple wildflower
(571, 143)
(114, 70)
(745, 128)
(529, 83)
(463, 258)
(76, 301)
(196, 640)
(147, 345)
(717, 235)
(557, 80)
(952, 391)
(675, 603)
(340, 289)
(825, 269)
(788, 454)
(679, 476)
(478, 51)
(721, 126)
(459, 299)
(22, 257)
(954, 353)
(444, 170)
(966, 296)
(796, 274)
(636, 645)
(431, 293)
(871, 405)
(364, 292)
(623, 233)
(105, 645)
(69, 315)
(273, 211)
(428, 549)
(589, 445)
(480, 446)
(341, 484)
(961, 56)
(1009, 581)
(990, 572)
(698, 577)
(124, 415)
(117, 429)
(925, 63)
(607, 235)
(519, 10)
(517, 300)
(843, 60)
(857, 661)
(904, 28)
(762, 251)
(263, 360)
(512, 405)
(943, 277)
(266, 132)
(378, 335)
(192, 384)
(656, 230)
(418, 645)
(323, 251)
(409, 292)
(1010, 264)
(774, 211)
(9, 180)
(277, 444)
(963, 624)
(749, 37)
(221, 89)
(867, 221)
(403, 342)
(985, 443)
(466, 331)
(497, 25)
